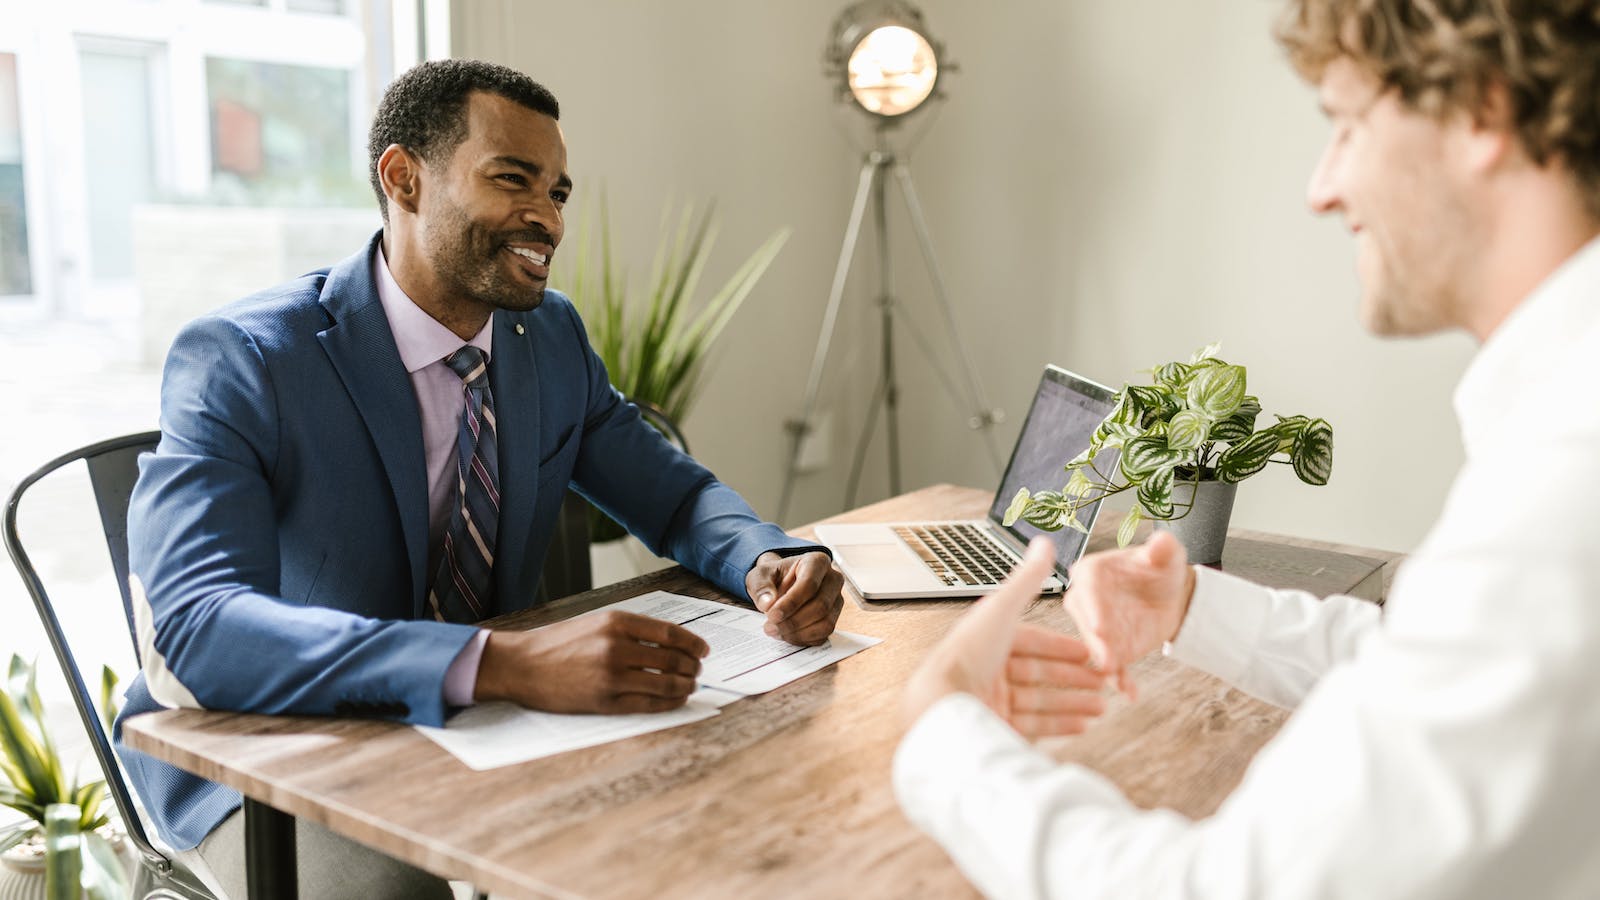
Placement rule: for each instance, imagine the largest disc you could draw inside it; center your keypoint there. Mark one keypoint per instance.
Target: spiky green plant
(655, 343)
(1194, 423)
(66, 810)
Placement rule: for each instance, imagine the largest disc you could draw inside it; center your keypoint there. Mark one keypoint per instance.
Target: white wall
(1110, 186)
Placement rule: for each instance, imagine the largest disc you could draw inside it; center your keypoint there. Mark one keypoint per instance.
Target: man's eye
(559, 196)
(512, 178)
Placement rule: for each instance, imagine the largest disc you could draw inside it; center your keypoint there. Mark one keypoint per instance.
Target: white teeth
(538, 258)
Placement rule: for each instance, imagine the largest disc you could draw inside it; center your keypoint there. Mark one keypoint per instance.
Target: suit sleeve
(663, 496)
(204, 554)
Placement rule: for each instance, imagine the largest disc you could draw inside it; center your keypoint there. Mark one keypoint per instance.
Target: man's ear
(1492, 129)
(400, 173)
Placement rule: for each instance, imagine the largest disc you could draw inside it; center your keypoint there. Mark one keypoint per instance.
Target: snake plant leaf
(22, 803)
(1247, 457)
(1187, 430)
(1312, 456)
(109, 707)
(104, 878)
(1217, 390)
(1155, 493)
(63, 861)
(27, 768)
(1130, 524)
(88, 798)
(15, 836)
(1144, 455)
(1015, 508)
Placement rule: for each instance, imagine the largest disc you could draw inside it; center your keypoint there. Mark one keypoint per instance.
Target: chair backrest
(113, 468)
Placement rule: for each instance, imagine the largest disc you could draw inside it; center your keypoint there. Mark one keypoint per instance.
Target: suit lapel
(361, 346)
(514, 379)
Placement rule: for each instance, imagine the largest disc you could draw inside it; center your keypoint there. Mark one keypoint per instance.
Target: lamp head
(881, 57)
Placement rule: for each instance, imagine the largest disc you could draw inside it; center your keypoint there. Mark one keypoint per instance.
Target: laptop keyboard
(957, 553)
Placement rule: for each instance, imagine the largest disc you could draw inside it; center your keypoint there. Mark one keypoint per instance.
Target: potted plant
(655, 343)
(1182, 444)
(64, 843)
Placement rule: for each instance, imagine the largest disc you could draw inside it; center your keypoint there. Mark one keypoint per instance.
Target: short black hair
(425, 109)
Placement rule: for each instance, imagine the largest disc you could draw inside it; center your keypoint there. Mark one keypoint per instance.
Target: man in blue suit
(292, 536)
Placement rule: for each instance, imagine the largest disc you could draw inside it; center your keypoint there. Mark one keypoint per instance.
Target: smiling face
(490, 216)
(1396, 178)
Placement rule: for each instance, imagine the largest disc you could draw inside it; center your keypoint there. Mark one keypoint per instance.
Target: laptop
(935, 560)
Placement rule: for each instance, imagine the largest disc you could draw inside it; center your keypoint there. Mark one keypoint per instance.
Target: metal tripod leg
(871, 173)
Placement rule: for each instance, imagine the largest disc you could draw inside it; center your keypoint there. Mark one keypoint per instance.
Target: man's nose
(1321, 193)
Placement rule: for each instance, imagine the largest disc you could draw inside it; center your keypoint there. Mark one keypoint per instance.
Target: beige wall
(1110, 185)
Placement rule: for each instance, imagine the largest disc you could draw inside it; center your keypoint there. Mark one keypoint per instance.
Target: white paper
(491, 735)
(743, 661)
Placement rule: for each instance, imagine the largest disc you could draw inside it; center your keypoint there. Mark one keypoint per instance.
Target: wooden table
(786, 794)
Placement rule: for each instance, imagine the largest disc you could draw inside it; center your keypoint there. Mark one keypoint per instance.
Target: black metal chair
(113, 468)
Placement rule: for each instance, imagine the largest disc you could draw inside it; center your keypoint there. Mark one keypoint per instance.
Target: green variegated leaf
(1207, 352)
(1155, 493)
(1154, 403)
(1044, 510)
(1247, 457)
(1288, 431)
(1145, 455)
(1078, 485)
(1238, 426)
(1073, 523)
(1015, 507)
(1217, 390)
(1130, 524)
(1312, 456)
(1174, 375)
(1082, 459)
(1187, 430)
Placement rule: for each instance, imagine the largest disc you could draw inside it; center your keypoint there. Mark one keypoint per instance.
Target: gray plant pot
(1205, 529)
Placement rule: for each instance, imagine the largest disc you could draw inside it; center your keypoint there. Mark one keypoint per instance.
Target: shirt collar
(1524, 356)
(420, 338)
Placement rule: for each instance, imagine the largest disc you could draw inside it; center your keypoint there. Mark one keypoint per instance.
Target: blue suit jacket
(280, 530)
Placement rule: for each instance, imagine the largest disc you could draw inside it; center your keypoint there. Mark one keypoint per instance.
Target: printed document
(743, 662)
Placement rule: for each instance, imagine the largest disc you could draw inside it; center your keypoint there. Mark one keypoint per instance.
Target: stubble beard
(467, 257)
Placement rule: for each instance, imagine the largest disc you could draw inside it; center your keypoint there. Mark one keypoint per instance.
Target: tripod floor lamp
(883, 62)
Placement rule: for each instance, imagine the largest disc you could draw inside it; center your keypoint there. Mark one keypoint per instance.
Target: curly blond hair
(1443, 55)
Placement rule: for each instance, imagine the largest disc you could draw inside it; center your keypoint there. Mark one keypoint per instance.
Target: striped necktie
(463, 588)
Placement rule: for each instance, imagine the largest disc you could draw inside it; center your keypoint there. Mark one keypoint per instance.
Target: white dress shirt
(1447, 748)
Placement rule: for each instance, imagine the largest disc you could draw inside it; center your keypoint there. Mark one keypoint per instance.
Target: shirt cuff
(1226, 617)
(461, 679)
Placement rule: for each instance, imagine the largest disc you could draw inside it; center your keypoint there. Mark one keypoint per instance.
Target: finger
(643, 703)
(1034, 700)
(1024, 670)
(1037, 726)
(1032, 640)
(663, 634)
(1019, 589)
(1163, 551)
(640, 656)
(656, 684)
(801, 583)
(762, 584)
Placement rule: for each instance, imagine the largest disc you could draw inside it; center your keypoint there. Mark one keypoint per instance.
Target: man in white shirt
(1450, 746)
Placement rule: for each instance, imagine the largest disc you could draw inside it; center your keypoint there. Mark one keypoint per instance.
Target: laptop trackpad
(873, 556)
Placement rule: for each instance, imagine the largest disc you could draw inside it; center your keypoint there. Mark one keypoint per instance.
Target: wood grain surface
(782, 795)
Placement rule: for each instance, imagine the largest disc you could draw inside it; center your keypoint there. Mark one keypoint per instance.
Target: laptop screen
(1065, 412)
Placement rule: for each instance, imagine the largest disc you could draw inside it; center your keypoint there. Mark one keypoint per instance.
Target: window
(15, 266)
(280, 135)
